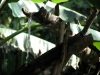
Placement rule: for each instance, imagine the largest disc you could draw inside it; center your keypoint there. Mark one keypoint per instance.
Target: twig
(89, 21)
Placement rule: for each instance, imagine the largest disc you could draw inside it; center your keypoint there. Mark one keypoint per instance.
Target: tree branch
(49, 58)
(75, 45)
(89, 21)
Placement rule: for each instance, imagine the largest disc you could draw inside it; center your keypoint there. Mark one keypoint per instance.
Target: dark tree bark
(76, 44)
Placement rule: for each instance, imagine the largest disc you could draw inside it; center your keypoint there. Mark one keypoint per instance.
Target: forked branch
(75, 44)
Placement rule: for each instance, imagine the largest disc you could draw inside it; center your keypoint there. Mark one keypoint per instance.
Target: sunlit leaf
(27, 4)
(65, 13)
(19, 40)
(59, 1)
(77, 28)
(16, 33)
(97, 45)
(38, 1)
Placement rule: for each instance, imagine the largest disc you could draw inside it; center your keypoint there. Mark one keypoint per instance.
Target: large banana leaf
(17, 12)
(19, 40)
(77, 28)
(37, 43)
(68, 15)
(16, 7)
(23, 38)
(65, 13)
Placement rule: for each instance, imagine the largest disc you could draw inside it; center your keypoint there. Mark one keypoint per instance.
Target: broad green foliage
(97, 45)
(23, 4)
(21, 39)
(65, 13)
(16, 33)
(59, 1)
(38, 1)
(54, 1)
(77, 28)
(95, 3)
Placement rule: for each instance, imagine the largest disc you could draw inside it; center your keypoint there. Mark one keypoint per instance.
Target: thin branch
(90, 21)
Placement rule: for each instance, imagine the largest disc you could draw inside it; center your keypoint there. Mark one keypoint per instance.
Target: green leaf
(37, 1)
(65, 13)
(58, 1)
(97, 45)
(20, 40)
(16, 33)
(16, 7)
